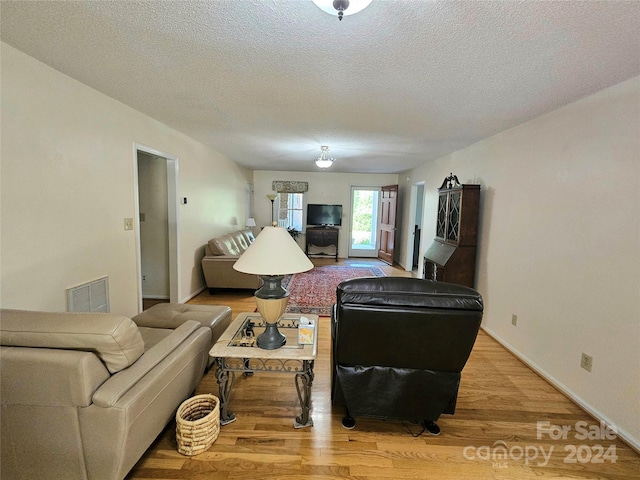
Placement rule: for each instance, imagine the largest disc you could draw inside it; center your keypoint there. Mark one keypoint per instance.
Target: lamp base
(271, 309)
(271, 338)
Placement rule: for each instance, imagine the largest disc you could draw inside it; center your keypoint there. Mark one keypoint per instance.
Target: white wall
(324, 187)
(560, 245)
(560, 220)
(68, 183)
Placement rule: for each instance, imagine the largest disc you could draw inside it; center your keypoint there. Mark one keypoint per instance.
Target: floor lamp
(272, 197)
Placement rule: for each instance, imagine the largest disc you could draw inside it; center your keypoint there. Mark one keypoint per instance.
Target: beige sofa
(85, 394)
(220, 255)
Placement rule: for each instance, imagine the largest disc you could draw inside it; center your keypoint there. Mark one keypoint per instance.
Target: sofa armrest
(113, 389)
(115, 438)
(219, 273)
(223, 258)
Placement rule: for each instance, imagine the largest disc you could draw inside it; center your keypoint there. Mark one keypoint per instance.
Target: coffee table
(236, 351)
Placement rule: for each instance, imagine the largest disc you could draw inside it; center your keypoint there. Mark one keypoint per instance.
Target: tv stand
(322, 240)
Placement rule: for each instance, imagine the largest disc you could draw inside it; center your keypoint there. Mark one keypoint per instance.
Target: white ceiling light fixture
(323, 161)
(342, 7)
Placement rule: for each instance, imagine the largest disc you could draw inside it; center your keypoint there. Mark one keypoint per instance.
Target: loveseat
(85, 394)
(399, 346)
(220, 254)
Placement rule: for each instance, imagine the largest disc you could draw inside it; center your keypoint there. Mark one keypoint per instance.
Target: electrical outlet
(514, 319)
(144, 278)
(586, 362)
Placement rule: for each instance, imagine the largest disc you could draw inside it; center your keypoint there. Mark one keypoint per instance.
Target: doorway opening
(156, 209)
(414, 237)
(365, 217)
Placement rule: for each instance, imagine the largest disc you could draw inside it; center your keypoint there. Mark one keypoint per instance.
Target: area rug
(315, 291)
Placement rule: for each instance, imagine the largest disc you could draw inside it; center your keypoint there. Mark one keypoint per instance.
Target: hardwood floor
(150, 302)
(493, 434)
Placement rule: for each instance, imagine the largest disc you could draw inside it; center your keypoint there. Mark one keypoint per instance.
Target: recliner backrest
(405, 323)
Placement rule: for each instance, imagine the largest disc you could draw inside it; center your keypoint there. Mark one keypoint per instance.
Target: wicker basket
(197, 424)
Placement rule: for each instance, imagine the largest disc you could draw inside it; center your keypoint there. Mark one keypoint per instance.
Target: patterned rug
(315, 291)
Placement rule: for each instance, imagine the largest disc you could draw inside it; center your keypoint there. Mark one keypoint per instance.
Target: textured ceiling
(267, 82)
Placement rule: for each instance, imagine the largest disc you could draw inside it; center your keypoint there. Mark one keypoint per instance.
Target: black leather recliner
(399, 345)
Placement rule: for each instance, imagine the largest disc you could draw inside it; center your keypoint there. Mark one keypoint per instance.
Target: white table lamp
(272, 255)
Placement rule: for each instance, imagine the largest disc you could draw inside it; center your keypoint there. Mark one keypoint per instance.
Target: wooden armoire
(452, 255)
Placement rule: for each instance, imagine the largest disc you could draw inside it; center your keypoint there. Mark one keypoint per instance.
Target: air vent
(89, 297)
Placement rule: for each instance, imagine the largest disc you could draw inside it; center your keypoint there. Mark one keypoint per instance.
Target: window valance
(288, 186)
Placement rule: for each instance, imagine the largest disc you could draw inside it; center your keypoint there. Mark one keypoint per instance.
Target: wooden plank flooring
(499, 404)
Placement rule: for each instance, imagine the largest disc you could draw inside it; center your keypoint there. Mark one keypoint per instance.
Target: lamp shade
(251, 222)
(273, 252)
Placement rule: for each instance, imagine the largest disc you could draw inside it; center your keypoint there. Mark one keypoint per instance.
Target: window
(290, 210)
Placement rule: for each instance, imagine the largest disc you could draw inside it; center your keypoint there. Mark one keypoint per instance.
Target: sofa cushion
(248, 234)
(244, 238)
(153, 336)
(231, 244)
(213, 247)
(241, 240)
(116, 340)
(224, 245)
(171, 315)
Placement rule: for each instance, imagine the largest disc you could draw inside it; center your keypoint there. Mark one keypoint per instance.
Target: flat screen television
(324, 214)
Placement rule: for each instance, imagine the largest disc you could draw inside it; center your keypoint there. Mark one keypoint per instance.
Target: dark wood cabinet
(452, 255)
(322, 241)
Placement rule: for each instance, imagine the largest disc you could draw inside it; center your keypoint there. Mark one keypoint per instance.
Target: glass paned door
(364, 222)
(454, 216)
(442, 215)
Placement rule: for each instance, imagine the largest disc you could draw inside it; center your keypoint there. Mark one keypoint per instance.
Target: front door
(388, 210)
(364, 221)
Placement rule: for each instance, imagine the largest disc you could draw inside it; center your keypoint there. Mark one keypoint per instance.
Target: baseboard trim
(621, 433)
(194, 294)
(155, 297)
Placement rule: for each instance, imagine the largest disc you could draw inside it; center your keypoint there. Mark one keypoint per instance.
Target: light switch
(128, 223)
